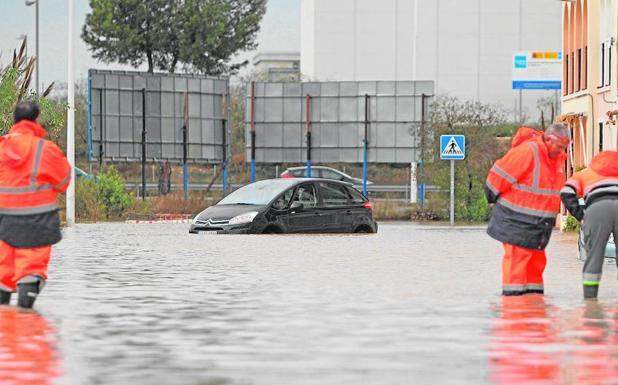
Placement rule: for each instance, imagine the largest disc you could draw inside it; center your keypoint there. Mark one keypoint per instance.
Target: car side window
(329, 174)
(306, 195)
(334, 195)
(297, 173)
(282, 202)
(357, 197)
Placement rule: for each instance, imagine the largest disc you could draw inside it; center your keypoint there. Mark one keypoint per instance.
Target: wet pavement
(414, 304)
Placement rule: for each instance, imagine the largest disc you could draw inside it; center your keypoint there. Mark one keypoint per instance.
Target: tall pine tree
(200, 35)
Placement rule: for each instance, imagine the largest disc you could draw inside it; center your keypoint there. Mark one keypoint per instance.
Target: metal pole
(224, 156)
(365, 144)
(252, 132)
(101, 130)
(185, 171)
(452, 193)
(414, 39)
(308, 127)
(521, 110)
(413, 182)
(143, 143)
(70, 197)
(422, 162)
(38, 76)
(88, 116)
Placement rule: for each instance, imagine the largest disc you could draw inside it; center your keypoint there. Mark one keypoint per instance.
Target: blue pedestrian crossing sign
(452, 147)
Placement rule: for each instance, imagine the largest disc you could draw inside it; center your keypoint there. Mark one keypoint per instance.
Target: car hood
(225, 212)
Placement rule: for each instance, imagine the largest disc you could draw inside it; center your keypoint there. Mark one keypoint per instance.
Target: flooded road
(152, 304)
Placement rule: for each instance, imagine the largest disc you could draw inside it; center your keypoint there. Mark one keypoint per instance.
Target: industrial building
(465, 46)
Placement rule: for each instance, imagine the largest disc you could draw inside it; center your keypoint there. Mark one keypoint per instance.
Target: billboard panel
(537, 70)
(116, 116)
(280, 114)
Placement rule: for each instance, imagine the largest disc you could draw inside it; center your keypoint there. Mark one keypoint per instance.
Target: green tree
(14, 87)
(479, 123)
(131, 32)
(201, 35)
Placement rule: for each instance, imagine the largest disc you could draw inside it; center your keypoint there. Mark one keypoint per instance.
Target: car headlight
(243, 218)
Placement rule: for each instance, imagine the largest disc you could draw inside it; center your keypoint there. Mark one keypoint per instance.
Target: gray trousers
(600, 220)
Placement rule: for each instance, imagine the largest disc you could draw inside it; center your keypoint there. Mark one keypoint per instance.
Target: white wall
(466, 46)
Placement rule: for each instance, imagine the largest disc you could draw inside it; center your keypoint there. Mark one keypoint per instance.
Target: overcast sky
(280, 31)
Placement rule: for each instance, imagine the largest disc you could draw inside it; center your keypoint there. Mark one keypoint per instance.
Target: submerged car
(610, 248)
(303, 205)
(322, 172)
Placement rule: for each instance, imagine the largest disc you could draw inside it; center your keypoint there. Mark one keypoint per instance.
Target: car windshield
(259, 193)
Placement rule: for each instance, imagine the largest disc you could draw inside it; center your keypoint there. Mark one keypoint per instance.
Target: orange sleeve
(574, 184)
(55, 168)
(511, 168)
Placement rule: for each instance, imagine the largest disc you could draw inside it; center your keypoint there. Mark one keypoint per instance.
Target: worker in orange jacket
(32, 172)
(598, 185)
(524, 187)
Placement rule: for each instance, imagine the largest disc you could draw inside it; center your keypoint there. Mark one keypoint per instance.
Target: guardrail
(395, 188)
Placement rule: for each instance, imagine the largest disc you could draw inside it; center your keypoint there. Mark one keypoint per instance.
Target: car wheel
(580, 246)
(363, 229)
(272, 230)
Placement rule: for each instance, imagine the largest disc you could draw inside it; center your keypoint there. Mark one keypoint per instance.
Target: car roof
(296, 181)
(312, 167)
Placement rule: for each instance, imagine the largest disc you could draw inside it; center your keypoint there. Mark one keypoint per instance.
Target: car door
(355, 214)
(334, 203)
(307, 218)
(279, 210)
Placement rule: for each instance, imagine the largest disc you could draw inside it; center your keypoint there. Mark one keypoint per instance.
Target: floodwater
(152, 304)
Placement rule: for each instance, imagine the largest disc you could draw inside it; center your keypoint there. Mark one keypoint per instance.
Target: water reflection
(27, 348)
(533, 343)
(523, 336)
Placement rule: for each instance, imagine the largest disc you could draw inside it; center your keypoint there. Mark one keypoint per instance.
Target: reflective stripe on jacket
(525, 185)
(598, 181)
(32, 171)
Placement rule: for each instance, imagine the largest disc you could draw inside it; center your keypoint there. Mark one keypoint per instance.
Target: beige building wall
(589, 85)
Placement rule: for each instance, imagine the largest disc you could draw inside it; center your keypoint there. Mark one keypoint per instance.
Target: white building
(278, 66)
(465, 46)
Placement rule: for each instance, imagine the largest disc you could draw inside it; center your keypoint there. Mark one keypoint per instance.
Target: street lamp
(36, 3)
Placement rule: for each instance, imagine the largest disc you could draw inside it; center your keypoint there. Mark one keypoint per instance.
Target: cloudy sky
(280, 31)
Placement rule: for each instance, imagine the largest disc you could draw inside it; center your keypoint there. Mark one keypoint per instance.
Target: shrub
(571, 224)
(111, 193)
(87, 203)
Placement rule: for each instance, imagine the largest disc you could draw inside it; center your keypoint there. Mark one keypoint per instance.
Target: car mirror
(296, 206)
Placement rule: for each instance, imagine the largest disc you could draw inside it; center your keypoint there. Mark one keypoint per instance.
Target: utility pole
(36, 4)
(70, 209)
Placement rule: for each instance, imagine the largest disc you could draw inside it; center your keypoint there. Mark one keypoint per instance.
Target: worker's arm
(55, 168)
(508, 170)
(570, 194)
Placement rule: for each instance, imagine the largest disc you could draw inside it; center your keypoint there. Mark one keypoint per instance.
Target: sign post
(452, 147)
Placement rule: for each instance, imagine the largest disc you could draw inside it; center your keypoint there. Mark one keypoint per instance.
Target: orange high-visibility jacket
(32, 171)
(525, 185)
(598, 181)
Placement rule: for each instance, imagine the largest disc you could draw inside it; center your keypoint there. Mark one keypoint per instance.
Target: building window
(572, 72)
(608, 68)
(585, 68)
(602, 65)
(579, 69)
(566, 75)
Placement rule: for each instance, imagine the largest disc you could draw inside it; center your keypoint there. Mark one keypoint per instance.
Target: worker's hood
(525, 134)
(15, 147)
(605, 163)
